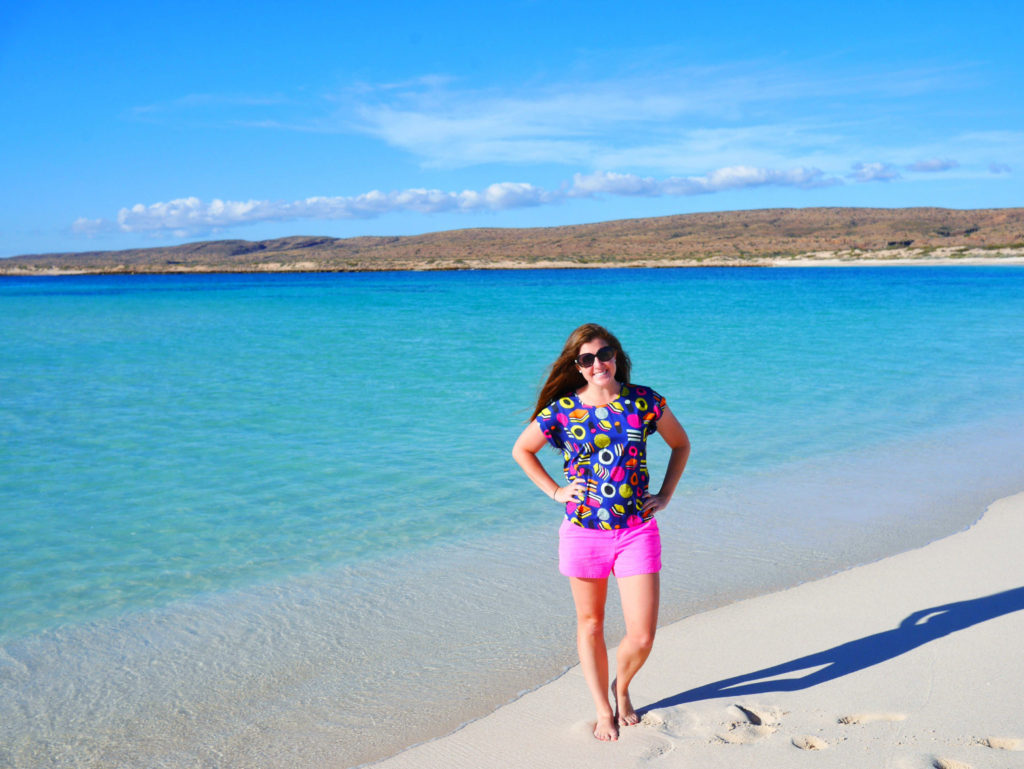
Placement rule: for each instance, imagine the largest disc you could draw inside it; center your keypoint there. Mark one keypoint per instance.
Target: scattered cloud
(661, 117)
(653, 135)
(934, 165)
(665, 121)
(84, 226)
(733, 177)
(874, 172)
(205, 105)
(192, 215)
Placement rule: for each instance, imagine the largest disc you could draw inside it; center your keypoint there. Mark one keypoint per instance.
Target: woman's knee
(642, 640)
(590, 624)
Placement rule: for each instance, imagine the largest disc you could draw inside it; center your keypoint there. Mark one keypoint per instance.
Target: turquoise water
(256, 453)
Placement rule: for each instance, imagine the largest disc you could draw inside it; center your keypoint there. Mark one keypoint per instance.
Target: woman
(600, 420)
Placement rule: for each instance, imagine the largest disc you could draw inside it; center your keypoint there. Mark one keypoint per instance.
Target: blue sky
(126, 125)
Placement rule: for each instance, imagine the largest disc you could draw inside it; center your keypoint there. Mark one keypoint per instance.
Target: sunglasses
(605, 354)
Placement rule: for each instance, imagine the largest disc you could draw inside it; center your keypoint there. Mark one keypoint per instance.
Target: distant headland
(766, 237)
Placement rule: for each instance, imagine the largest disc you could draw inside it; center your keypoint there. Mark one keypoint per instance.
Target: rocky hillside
(728, 238)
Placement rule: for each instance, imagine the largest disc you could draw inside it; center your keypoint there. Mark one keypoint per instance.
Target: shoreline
(908, 661)
(886, 258)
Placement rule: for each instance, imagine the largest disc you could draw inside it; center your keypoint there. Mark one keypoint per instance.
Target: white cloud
(874, 172)
(934, 165)
(192, 215)
(507, 195)
(205, 106)
(729, 178)
(745, 176)
(611, 183)
(84, 226)
(663, 119)
(744, 110)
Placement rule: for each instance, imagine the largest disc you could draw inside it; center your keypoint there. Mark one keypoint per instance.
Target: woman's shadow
(917, 629)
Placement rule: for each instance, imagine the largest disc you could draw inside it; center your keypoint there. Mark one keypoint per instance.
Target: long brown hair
(565, 377)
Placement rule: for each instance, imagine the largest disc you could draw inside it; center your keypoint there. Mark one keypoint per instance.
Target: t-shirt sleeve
(651, 405)
(551, 426)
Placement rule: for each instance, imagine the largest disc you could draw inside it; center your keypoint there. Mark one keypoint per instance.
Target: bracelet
(555, 492)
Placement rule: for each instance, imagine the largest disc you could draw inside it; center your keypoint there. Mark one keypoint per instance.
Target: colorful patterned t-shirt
(605, 446)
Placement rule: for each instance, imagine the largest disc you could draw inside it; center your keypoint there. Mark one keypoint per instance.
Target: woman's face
(600, 373)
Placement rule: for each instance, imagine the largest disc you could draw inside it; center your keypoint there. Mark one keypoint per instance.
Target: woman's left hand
(654, 503)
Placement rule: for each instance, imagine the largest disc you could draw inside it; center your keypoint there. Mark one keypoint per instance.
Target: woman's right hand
(575, 491)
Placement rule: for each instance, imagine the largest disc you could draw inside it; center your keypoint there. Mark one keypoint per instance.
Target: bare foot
(624, 713)
(605, 729)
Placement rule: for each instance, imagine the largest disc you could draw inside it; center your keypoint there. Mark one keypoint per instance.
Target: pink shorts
(596, 553)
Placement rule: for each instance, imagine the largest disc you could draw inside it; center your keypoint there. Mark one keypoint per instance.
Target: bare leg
(589, 596)
(640, 595)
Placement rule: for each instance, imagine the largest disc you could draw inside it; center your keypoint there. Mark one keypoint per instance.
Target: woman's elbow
(682, 443)
(520, 453)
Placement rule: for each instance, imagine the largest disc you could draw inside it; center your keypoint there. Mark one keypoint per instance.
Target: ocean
(274, 520)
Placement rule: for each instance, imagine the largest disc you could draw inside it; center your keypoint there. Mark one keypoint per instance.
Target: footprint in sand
(650, 719)
(1002, 743)
(809, 742)
(658, 750)
(744, 734)
(757, 724)
(868, 718)
(949, 763)
(760, 716)
(674, 724)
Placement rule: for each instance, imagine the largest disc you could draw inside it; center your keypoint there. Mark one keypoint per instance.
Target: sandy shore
(912, 661)
(900, 257)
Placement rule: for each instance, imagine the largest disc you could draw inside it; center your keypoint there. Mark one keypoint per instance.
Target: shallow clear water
(274, 518)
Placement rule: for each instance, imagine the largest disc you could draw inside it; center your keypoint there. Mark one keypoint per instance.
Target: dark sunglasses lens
(604, 355)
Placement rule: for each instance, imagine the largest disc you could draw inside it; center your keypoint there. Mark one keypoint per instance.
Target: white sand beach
(910, 662)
